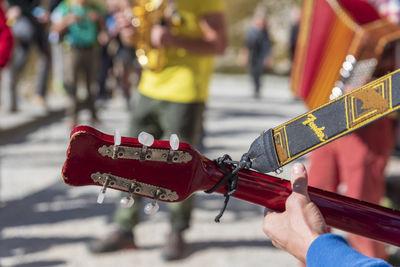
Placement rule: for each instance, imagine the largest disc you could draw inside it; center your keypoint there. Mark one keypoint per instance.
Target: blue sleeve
(332, 250)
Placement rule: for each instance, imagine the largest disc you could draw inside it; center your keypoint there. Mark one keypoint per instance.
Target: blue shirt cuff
(330, 250)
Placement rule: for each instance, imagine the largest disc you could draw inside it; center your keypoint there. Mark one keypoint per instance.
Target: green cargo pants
(161, 119)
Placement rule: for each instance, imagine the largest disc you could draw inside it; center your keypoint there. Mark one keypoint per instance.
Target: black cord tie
(230, 179)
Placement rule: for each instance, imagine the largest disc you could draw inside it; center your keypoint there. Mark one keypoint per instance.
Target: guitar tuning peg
(127, 202)
(151, 208)
(117, 138)
(102, 194)
(100, 197)
(174, 142)
(146, 139)
(117, 142)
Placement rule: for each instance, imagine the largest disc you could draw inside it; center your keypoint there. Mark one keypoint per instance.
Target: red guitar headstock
(162, 173)
(156, 171)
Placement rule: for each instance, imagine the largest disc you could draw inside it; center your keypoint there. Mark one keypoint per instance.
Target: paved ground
(46, 223)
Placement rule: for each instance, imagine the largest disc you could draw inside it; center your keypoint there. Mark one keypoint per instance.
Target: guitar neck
(341, 212)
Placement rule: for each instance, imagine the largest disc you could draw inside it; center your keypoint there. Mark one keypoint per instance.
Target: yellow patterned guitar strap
(279, 146)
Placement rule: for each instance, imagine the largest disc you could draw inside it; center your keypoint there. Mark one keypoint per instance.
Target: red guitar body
(88, 158)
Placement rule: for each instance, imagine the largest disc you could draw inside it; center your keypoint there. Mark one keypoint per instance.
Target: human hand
(93, 15)
(124, 19)
(13, 13)
(103, 38)
(41, 15)
(72, 18)
(268, 62)
(160, 36)
(44, 18)
(300, 224)
(125, 28)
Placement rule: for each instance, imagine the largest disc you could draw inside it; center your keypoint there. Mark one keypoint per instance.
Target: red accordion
(330, 31)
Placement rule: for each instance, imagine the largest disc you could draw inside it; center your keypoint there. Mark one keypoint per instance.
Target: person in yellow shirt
(172, 101)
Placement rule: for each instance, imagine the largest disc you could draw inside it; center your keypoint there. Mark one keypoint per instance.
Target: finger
(299, 179)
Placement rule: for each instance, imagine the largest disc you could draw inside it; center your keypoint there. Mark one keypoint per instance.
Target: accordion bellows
(329, 31)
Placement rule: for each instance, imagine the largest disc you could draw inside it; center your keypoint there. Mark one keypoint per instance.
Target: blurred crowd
(75, 39)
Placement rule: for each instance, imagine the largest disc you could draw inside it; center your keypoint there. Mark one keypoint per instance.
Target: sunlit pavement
(43, 222)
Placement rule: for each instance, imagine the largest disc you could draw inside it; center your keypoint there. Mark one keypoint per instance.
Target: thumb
(299, 179)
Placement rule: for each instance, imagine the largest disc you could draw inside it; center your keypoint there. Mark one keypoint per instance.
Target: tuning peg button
(127, 202)
(146, 139)
(100, 197)
(117, 142)
(151, 208)
(102, 194)
(117, 137)
(174, 142)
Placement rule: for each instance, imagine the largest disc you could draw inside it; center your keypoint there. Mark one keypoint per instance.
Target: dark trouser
(11, 74)
(80, 61)
(106, 62)
(163, 118)
(256, 70)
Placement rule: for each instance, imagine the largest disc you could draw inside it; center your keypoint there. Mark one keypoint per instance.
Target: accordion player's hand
(160, 36)
(125, 28)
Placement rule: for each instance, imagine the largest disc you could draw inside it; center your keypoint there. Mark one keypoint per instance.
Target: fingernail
(298, 168)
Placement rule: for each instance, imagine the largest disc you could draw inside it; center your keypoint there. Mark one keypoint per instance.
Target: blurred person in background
(171, 100)
(259, 49)
(77, 23)
(115, 57)
(56, 54)
(295, 15)
(53, 4)
(27, 20)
